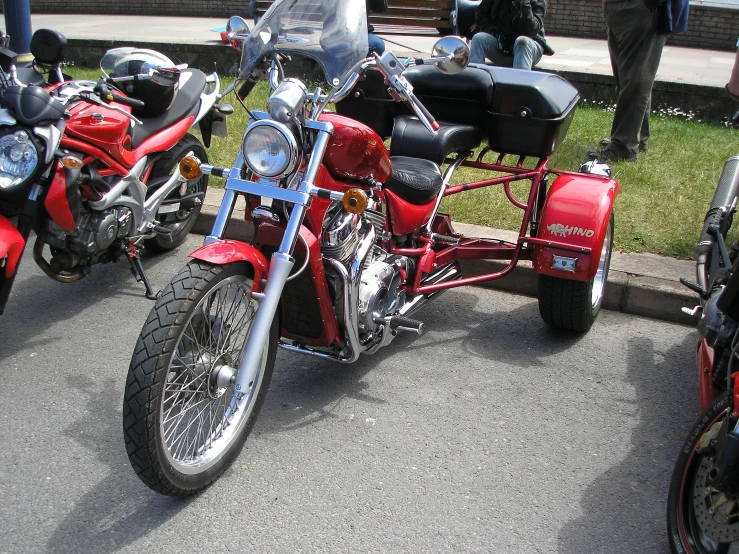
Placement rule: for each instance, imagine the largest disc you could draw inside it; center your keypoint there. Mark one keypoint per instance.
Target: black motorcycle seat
(415, 180)
(29, 76)
(410, 138)
(187, 102)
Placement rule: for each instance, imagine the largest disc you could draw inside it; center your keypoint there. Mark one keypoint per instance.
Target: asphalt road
(489, 433)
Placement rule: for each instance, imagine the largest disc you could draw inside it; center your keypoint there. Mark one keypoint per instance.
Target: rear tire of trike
(683, 526)
(180, 222)
(183, 422)
(574, 305)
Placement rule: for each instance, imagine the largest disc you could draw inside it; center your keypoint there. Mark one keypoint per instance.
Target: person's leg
(376, 44)
(484, 46)
(732, 87)
(639, 53)
(526, 53)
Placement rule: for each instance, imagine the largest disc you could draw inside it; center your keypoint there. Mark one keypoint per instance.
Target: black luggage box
(522, 112)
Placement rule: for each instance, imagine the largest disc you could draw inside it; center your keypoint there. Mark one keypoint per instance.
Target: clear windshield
(331, 32)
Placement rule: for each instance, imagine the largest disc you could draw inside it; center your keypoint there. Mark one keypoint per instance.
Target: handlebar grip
(126, 101)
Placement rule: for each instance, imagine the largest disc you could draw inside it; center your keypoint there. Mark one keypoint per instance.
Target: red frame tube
(474, 248)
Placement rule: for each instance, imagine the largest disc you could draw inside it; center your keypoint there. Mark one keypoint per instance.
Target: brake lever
(93, 99)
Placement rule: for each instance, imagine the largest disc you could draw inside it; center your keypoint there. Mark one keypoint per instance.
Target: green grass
(664, 196)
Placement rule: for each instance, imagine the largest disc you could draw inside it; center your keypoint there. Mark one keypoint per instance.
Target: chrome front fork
(280, 266)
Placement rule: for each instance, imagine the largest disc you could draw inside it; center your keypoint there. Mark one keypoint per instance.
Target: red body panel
(96, 130)
(406, 217)
(56, 203)
(707, 394)
(355, 151)
(576, 213)
(225, 252)
(11, 245)
(98, 124)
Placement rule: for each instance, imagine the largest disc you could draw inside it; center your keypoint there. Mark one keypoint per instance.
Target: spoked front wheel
(183, 422)
(700, 518)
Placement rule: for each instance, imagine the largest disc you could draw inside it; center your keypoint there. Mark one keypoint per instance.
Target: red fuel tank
(355, 151)
(99, 125)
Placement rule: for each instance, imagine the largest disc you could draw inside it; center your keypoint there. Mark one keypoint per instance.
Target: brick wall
(708, 27)
(715, 28)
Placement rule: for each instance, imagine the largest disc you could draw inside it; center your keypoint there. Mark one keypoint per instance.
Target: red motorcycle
(349, 242)
(93, 168)
(703, 502)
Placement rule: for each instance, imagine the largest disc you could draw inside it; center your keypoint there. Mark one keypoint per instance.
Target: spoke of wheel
(183, 435)
(169, 432)
(184, 407)
(240, 326)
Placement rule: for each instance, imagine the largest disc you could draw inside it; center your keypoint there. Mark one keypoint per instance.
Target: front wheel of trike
(574, 305)
(182, 421)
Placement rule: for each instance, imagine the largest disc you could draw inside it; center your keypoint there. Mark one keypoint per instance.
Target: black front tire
(574, 305)
(179, 223)
(182, 342)
(683, 528)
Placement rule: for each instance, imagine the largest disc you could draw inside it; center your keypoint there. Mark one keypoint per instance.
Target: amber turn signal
(190, 168)
(354, 201)
(71, 162)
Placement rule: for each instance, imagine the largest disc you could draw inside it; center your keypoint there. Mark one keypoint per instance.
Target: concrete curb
(639, 284)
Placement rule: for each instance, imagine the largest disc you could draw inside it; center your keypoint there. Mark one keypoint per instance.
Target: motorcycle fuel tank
(98, 125)
(355, 151)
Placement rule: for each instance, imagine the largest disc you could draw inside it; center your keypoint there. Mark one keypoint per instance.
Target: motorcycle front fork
(724, 475)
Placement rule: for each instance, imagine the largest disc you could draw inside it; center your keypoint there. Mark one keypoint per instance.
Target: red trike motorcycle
(349, 241)
(703, 502)
(93, 168)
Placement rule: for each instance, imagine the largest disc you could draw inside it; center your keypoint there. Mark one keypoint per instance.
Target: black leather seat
(410, 138)
(415, 180)
(187, 102)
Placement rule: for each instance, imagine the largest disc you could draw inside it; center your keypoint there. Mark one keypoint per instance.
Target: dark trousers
(635, 53)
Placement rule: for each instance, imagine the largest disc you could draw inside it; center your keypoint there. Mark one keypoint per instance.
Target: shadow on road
(37, 302)
(619, 507)
(119, 510)
(305, 391)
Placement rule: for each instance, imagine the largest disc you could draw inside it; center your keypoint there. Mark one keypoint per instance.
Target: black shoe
(643, 146)
(606, 155)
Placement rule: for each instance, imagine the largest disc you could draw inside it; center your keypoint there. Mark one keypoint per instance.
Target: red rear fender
(575, 214)
(224, 252)
(11, 246)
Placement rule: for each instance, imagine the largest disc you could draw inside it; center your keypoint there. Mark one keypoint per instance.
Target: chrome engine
(379, 295)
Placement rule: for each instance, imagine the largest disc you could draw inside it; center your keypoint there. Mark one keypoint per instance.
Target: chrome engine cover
(379, 293)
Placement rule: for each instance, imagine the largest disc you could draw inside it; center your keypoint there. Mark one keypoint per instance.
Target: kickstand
(134, 258)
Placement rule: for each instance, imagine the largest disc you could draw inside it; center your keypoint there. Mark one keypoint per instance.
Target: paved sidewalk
(639, 284)
(590, 56)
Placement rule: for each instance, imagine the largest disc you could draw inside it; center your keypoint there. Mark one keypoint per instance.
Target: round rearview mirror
(237, 25)
(456, 52)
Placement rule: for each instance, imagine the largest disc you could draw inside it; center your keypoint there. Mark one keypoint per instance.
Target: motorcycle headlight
(18, 159)
(270, 149)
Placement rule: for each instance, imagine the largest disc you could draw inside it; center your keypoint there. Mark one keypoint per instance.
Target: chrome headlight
(270, 149)
(18, 159)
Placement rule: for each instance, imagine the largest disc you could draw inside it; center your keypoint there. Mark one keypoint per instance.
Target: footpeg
(695, 287)
(445, 239)
(698, 310)
(406, 324)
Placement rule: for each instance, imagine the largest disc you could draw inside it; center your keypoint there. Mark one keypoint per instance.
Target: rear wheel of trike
(178, 223)
(183, 423)
(574, 305)
(701, 519)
